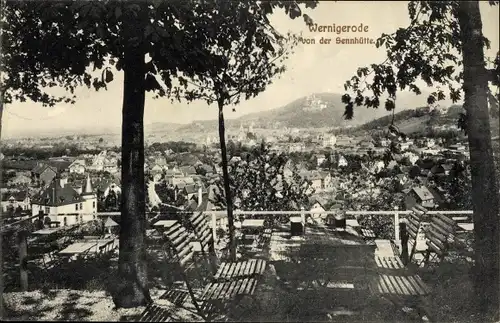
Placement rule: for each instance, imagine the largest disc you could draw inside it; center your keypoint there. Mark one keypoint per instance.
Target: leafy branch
(428, 50)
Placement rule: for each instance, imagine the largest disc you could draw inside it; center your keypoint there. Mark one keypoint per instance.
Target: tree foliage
(259, 184)
(74, 43)
(28, 73)
(428, 50)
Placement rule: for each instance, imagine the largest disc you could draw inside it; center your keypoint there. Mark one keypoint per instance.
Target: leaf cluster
(259, 183)
(47, 44)
(428, 50)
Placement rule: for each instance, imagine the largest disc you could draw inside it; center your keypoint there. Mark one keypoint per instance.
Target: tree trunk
(227, 188)
(1, 114)
(132, 268)
(485, 196)
(1, 219)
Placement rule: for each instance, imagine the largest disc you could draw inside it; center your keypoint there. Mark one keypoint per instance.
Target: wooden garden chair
(227, 270)
(403, 286)
(403, 289)
(217, 294)
(441, 239)
(155, 313)
(413, 224)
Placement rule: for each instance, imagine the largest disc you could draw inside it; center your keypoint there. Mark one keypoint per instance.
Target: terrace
(314, 271)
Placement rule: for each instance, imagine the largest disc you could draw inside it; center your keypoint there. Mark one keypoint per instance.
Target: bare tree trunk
(485, 195)
(225, 176)
(132, 268)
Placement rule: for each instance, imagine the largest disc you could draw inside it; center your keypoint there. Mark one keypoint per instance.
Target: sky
(311, 69)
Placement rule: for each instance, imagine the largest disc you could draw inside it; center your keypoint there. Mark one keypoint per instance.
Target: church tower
(90, 201)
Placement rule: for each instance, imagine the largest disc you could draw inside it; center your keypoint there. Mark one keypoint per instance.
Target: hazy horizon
(311, 69)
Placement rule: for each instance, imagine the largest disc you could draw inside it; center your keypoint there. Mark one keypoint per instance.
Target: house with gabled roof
(63, 203)
(104, 186)
(78, 166)
(43, 173)
(15, 200)
(423, 196)
(111, 165)
(326, 180)
(316, 180)
(189, 191)
(317, 206)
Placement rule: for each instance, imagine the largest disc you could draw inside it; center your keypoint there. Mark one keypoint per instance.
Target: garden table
(467, 227)
(321, 255)
(165, 224)
(252, 227)
(48, 231)
(78, 248)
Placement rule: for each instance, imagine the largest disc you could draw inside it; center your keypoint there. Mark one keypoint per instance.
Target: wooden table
(467, 227)
(253, 223)
(102, 243)
(252, 227)
(320, 255)
(48, 231)
(165, 223)
(78, 248)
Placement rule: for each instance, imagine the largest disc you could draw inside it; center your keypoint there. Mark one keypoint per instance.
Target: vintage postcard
(215, 160)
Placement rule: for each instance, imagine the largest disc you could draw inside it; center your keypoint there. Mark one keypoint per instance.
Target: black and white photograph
(249, 161)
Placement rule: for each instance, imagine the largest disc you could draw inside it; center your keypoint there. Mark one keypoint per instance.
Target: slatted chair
(403, 290)
(367, 234)
(43, 257)
(413, 224)
(216, 294)
(398, 283)
(441, 238)
(155, 313)
(227, 270)
(265, 239)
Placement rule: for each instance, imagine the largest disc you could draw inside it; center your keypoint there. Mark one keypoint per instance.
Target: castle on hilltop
(313, 103)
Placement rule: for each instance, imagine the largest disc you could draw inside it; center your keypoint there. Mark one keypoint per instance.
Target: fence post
(22, 245)
(303, 219)
(396, 224)
(214, 226)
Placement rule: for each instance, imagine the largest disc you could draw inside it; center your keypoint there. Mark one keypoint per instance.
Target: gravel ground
(69, 305)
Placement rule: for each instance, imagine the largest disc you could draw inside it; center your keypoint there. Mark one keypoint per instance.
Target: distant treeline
(398, 117)
(58, 150)
(175, 146)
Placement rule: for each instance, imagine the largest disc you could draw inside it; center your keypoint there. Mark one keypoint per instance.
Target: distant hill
(318, 110)
(162, 127)
(418, 120)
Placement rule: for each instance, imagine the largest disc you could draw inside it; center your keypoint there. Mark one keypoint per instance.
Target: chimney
(200, 195)
(175, 194)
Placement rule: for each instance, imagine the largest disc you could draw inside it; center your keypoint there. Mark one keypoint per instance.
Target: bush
(92, 228)
(382, 225)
